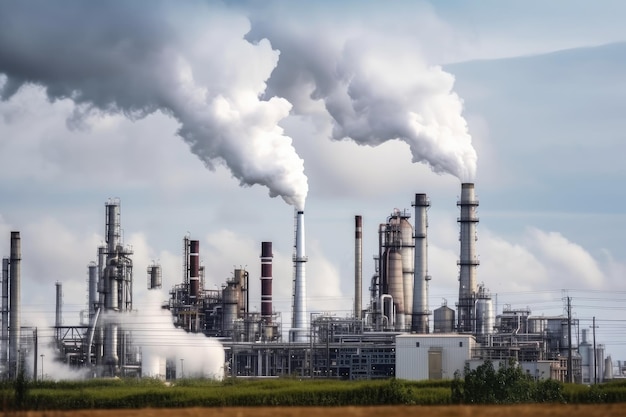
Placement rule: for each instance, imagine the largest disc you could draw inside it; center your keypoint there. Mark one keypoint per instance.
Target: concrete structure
(420, 357)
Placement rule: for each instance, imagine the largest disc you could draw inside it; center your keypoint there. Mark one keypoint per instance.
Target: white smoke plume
(190, 61)
(375, 85)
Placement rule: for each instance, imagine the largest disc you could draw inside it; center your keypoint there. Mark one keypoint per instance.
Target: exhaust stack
(4, 342)
(358, 266)
(468, 261)
(299, 319)
(15, 307)
(420, 286)
(266, 282)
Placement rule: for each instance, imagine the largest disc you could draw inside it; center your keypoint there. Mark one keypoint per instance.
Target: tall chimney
(15, 307)
(266, 282)
(58, 317)
(468, 260)
(420, 287)
(358, 266)
(194, 270)
(299, 319)
(4, 342)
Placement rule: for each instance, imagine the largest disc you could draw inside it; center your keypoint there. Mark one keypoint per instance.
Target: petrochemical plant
(389, 336)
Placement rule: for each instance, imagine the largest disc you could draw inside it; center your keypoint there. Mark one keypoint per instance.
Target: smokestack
(266, 282)
(468, 260)
(194, 270)
(420, 284)
(4, 342)
(15, 307)
(58, 317)
(299, 319)
(358, 265)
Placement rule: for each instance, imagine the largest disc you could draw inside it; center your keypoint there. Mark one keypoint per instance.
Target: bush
(508, 385)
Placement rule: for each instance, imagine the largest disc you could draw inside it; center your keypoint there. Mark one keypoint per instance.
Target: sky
(215, 120)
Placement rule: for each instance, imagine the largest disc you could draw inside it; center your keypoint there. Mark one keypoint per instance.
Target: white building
(429, 356)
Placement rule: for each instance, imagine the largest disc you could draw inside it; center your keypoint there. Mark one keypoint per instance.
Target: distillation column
(468, 261)
(420, 287)
(266, 289)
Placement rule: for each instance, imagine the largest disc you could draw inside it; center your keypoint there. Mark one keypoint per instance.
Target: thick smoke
(187, 60)
(375, 85)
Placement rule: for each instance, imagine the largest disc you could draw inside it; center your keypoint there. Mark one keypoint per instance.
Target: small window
(417, 344)
(460, 344)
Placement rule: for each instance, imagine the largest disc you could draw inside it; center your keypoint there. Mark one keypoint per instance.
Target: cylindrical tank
(154, 277)
(485, 317)
(396, 287)
(536, 325)
(111, 358)
(230, 297)
(443, 318)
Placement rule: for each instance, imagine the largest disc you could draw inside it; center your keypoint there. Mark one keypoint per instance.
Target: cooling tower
(420, 285)
(15, 304)
(358, 265)
(299, 319)
(468, 261)
(266, 281)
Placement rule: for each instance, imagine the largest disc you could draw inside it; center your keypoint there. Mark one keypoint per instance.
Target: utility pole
(595, 365)
(570, 373)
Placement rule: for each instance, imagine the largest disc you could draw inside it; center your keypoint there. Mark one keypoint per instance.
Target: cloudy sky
(215, 120)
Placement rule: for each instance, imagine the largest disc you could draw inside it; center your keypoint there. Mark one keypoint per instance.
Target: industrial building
(393, 334)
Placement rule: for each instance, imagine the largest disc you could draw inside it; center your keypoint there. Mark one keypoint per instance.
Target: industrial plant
(395, 333)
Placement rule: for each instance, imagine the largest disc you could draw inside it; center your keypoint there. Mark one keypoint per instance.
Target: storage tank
(443, 319)
(230, 296)
(485, 316)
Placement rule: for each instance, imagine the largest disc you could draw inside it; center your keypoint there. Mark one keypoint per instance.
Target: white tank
(485, 317)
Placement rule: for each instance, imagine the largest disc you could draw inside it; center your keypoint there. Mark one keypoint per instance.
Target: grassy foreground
(143, 394)
(534, 410)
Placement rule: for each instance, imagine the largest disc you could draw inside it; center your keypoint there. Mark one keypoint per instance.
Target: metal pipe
(358, 265)
(468, 260)
(299, 320)
(15, 307)
(4, 342)
(421, 312)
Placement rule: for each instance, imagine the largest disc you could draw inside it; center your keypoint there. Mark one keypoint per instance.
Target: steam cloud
(215, 71)
(185, 60)
(376, 87)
